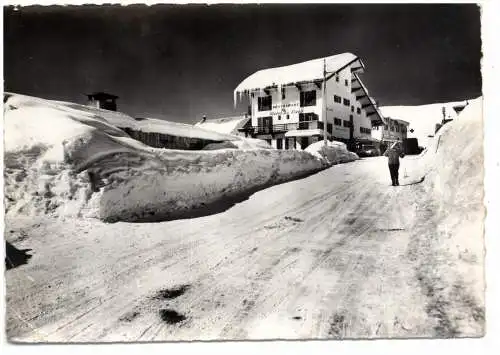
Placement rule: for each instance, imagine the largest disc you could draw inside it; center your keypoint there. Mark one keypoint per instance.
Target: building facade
(286, 103)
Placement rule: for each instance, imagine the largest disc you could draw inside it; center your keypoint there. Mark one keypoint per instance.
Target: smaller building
(238, 125)
(102, 100)
(394, 130)
(172, 135)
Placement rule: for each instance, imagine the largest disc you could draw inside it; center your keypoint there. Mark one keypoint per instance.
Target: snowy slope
(422, 118)
(64, 161)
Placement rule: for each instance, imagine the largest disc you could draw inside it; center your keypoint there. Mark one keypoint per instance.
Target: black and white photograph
(235, 172)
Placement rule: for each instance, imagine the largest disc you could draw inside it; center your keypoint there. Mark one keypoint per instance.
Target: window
(265, 103)
(346, 82)
(385, 127)
(392, 129)
(329, 128)
(358, 110)
(352, 108)
(364, 130)
(347, 102)
(337, 121)
(307, 117)
(287, 117)
(347, 123)
(308, 98)
(265, 124)
(282, 93)
(279, 117)
(337, 99)
(337, 78)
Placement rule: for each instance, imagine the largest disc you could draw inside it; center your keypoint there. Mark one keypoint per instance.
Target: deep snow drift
(454, 265)
(65, 159)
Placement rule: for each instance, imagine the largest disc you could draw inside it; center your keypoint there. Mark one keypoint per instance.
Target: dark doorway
(304, 142)
(351, 127)
(279, 143)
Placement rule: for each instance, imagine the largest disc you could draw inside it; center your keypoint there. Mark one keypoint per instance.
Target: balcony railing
(281, 128)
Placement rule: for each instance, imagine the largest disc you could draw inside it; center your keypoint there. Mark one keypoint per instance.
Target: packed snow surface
(67, 160)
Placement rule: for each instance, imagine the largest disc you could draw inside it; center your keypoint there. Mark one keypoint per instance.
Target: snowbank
(454, 182)
(334, 153)
(251, 143)
(67, 162)
(175, 182)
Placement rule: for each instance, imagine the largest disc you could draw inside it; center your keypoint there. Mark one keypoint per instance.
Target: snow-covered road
(337, 254)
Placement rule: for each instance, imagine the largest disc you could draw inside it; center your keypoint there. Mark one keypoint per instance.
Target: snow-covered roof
(403, 122)
(227, 125)
(154, 125)
(308, 71)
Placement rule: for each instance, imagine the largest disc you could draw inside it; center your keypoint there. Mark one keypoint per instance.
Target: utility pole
(325, 122)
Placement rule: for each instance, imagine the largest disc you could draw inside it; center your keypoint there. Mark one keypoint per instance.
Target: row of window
(307, 98)
(338, 122)
(337, 79)
(347, 102)
(338, 99)
(267, 122)
(395, 128)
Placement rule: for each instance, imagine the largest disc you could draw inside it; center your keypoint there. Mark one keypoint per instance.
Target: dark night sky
(180, 62)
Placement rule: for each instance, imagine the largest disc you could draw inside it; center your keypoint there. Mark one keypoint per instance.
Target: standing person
(393, 153)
